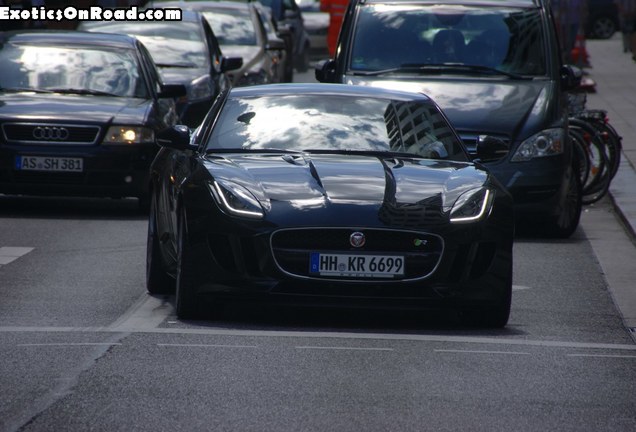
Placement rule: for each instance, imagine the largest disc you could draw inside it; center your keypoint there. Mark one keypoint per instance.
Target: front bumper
(108, 171)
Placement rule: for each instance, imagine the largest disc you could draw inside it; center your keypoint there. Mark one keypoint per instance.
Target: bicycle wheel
(581, 157)
(599, 170)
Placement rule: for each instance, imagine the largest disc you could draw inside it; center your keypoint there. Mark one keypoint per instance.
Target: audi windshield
(68, 69)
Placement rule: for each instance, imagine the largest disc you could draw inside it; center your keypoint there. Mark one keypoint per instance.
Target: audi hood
(70, 108)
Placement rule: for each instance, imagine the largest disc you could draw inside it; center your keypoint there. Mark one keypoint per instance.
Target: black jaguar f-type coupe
(332, 194)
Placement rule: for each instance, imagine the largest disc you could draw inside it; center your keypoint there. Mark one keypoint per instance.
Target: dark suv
(495, 69)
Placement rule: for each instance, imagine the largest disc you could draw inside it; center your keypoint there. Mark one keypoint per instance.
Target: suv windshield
(403, 36)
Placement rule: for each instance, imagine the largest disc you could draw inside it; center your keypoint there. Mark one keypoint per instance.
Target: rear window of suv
(394, 36)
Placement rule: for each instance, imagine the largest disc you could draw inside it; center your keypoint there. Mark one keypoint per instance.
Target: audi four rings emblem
(51, 133)
(357, 239)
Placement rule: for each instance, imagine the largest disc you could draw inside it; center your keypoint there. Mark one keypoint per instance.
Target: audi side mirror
(172, 91)
(176, 137)
(325, 71)
(490, 148)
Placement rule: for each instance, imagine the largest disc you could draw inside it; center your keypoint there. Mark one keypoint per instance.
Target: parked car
(342, 195)
(186, 52)
(317, 25)
(288, 13)
(241, 33)
(495, 69)
(602, 19)
(80, 113)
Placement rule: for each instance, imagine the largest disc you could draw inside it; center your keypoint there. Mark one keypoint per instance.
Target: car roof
(293, 89)
(490, 3)
(68, 37)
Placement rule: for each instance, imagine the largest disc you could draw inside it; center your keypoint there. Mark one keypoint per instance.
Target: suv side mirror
(231, 63)
(325, 71)
(570, 77)
(491, 148)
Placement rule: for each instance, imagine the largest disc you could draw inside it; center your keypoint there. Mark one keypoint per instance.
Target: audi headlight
(546, 143)
(235, 199)
(201, 88)
(472, 206)
(129, 135)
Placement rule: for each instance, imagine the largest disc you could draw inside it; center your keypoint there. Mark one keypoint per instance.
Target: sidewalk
(615, 75)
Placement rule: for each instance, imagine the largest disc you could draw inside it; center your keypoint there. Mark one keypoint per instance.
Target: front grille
(50, 133)
(292, 248)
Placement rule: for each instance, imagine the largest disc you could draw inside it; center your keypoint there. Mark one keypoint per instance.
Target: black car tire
(157, 279)
(565, 223)
(187, 306)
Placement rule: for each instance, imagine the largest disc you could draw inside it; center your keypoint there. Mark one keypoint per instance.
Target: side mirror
(175, 137)
(276, 45)
(571, 77)
(172, 91)
(325, 71)
(231, 63)
(490, 148)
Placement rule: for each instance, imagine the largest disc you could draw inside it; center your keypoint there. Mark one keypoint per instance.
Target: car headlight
(201, 88)
(235, 199)
(546, 143)
(472, 205)
(129, 135)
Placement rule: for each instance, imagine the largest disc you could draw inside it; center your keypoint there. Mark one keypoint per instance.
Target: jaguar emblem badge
(357, 239)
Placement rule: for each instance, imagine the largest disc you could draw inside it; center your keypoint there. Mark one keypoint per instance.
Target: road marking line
(480, 352)
(520, 287)
(602, 356)
(342, 348)
(70, 344)
(10, 254)
(206, 345)
(148, 312)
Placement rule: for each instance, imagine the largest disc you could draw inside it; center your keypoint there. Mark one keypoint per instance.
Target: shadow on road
(70, 208)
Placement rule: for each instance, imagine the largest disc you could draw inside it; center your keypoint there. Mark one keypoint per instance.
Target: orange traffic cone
(579, 53)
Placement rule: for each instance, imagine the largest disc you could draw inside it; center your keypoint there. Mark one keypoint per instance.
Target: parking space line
(68, 344)
(9, 254)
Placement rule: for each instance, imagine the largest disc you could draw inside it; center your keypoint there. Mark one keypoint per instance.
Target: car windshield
(232, 27)
(71, 69)
(335, 123)
(403, 36)
(170, 44)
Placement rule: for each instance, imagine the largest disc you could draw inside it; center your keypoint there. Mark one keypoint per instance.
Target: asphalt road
(83, 347)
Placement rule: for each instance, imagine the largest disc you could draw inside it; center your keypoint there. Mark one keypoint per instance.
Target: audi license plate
(46, 163)
(361, 266)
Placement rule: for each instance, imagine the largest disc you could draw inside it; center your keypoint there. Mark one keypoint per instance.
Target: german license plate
(49, 163)
(356, 266)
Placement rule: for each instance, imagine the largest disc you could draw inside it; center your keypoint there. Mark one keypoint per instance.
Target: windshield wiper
(81, 91)
(443, 67)
(177, 65)
(23, 89)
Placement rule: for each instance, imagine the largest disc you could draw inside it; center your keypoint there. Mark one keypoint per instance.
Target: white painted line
(520, 287)
(206, 345)
(502, 341)
(10, 254)
(70, 344)
(342, 348)
(148, 312)
(602, 356)
(480, 352)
